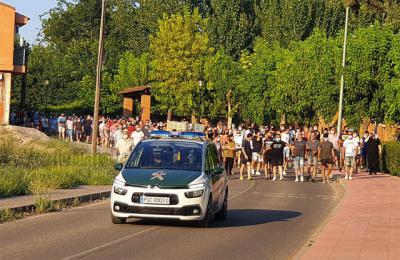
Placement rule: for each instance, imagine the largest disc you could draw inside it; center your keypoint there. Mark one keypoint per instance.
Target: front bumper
(181, 208)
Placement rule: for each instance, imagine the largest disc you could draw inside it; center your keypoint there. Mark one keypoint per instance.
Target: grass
(38, 167)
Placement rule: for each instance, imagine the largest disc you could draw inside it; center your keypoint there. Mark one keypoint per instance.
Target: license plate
(154, 200)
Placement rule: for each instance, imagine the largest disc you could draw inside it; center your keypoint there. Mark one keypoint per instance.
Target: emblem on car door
(158, 175)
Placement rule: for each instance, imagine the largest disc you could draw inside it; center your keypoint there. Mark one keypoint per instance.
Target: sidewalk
(366, 224)
(82, 193)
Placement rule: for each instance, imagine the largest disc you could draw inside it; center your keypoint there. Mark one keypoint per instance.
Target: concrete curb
(69, 201)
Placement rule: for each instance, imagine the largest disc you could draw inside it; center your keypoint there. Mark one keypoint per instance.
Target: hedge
(391, 157)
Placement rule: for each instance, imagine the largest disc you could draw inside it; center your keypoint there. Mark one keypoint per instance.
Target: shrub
(40, 167)
(391, 157)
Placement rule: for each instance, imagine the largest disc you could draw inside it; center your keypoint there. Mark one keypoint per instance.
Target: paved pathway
(366, 224)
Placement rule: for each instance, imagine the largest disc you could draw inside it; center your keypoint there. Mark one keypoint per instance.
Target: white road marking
(103, 246)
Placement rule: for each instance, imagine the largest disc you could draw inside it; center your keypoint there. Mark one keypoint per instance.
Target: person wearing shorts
(238, 145)
(312, 155)
(267, 147)
(350, 149)
(327, 155)
(78, 130)
(256, 153)
(61, 126)
(277, 148)
(299, 152)
(246, 156)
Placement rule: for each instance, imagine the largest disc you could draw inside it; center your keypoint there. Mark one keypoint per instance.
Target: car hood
(159, 177)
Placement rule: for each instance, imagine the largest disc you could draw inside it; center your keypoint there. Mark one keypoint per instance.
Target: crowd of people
(252, 148)
(271, 150)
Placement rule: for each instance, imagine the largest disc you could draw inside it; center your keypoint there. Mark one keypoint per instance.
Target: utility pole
(339, 126)
(98, 79)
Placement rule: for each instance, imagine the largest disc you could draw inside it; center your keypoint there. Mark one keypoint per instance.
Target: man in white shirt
(238, 138)
(137, 135)
(124, 147)
(350, 150)
(285, 137)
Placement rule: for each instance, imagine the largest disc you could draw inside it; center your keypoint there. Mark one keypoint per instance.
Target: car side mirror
(218, 170)
(118, 166)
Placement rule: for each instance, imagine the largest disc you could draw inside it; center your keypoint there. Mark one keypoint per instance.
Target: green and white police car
(171, 176)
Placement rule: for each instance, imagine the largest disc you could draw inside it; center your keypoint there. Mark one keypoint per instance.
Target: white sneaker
(281, 178)
(296, 180)
(346, 177)
(274, 179)
(284, 173)
(350, 178)
(258, 173)
(301, 178)
(252, 171)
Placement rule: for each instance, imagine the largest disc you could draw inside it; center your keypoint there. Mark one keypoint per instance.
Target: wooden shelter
(134, 94)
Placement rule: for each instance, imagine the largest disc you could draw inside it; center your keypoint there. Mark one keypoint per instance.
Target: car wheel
(117, 220)
(206, 221)
(223, 212)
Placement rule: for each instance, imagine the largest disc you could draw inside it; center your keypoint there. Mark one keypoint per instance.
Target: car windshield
(167, 155)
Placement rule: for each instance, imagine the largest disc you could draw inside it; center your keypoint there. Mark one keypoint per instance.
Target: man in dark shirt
(267, 155)
(277, 148)
(326, 154)
(87, 126)
(299, 152)
(246, 156)
(256, 152)
(373, 149)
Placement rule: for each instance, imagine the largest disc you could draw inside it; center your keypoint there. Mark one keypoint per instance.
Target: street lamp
(98, 79)
(339, 126)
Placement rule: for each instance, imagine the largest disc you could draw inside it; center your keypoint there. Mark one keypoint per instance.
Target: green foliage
(38, 168)
(222, 75)
(178, 51)
(391, 157)
(232, 25)
(367, 73)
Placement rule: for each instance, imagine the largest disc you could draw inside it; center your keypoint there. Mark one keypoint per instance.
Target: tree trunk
(229, 101)
(169, 115)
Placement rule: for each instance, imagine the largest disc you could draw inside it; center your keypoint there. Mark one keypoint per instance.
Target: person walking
(267, 147)
(326, 155)
(61, 126)
(350, 149)
(238, 145)
(229, 154)
(70, 128)
(78, 130)
(123, 147)
(245, 159)
(373, 149)
(299, 152)
(87, 126)
(257, 152)
(277, 148)
(312, 156)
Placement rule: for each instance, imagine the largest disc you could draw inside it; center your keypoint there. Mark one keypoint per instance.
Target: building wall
(7, 30)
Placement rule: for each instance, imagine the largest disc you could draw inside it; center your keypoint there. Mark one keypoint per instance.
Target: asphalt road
(266, 220)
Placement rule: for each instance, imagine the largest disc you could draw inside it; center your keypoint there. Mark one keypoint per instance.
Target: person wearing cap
(123, 147)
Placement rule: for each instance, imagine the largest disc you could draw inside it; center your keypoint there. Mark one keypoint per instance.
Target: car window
(166, 155)
(215, 156)
(209, 160)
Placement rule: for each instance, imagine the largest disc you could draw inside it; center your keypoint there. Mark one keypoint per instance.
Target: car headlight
(119, 190)
(194, 194)
(197, 186)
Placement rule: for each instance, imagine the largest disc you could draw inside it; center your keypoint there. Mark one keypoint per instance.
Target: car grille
(184, 211)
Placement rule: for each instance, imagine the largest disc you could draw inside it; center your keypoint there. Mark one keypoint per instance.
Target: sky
(33, 9)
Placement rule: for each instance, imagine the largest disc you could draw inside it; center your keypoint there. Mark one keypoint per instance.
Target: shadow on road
(251, 217)
(236, 218)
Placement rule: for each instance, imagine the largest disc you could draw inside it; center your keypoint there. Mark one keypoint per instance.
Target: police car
(171, 176)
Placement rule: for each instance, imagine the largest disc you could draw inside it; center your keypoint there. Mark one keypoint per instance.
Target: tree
(232, 25)
(222, 75)
(178, 53)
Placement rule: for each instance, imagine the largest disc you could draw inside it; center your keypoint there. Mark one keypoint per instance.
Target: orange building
(12, 55)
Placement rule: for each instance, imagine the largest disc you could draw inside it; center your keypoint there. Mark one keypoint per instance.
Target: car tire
(223, 212)
(117, 220)
(206, 221)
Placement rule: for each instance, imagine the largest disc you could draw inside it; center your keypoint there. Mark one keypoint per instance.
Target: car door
(217, 177)
(210, 166)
